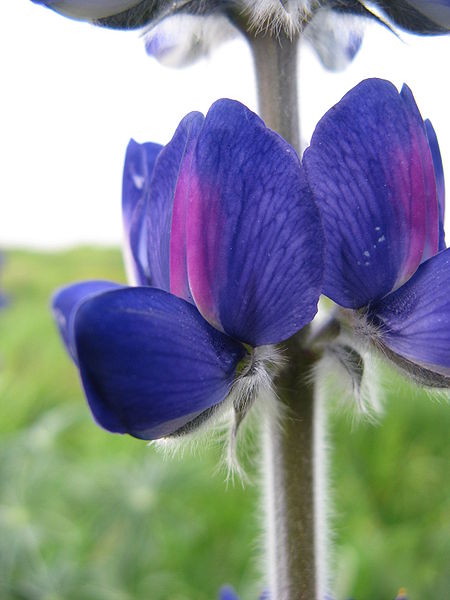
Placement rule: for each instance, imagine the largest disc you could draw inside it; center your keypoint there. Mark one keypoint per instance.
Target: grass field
(86, 515)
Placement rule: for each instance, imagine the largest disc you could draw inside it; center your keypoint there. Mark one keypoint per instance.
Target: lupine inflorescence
(225, 244)
(225, 247)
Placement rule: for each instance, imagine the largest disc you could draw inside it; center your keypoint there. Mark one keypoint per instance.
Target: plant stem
(290, 439)
(275, 60)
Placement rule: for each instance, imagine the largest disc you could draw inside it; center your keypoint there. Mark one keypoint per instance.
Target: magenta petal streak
(179, 284)
(204, 227)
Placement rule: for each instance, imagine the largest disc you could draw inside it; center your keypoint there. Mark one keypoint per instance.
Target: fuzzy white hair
(253, 384)
(277, 15)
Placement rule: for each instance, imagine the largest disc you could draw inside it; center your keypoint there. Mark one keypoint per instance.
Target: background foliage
(85, 515)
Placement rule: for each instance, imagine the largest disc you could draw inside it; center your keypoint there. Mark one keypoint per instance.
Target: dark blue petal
(150, 364)
(369, 167)
(419, 16)
(415, 320)
(254, 235)
(168, 188)
(65, 302)
(139, 163)
(439, 176)
(227, 593)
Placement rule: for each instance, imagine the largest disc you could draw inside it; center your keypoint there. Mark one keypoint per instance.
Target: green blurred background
(86, 515)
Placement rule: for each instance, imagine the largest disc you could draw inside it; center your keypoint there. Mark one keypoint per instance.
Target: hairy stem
(291, 437)
(275, 59)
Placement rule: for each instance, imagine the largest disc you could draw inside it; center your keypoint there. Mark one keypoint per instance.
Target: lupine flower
(375, 171)
(225, 244)
(195, 27)
(420, 16)
(176, 42)
(228, 593)
(330, 26)
(335, 37)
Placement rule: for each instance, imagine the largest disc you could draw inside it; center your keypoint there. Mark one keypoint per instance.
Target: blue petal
(369, 167)
(169, 187)
(139, 163)
(334, 37)
(184, 38)
(150, 364)
(427, 186)
(415, 320)
(254, 234)
(439, 176)
(227, 593)
(65, 302)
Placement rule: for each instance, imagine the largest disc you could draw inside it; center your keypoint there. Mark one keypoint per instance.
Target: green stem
(275, 60)
(290, 439)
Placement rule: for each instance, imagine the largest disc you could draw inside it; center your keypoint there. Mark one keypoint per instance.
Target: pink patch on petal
(179, 285)
(412, 204)
(432, 203)
(203, 251)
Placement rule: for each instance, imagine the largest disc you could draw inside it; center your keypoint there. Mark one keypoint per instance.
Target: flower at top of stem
(375, 170)
(180, 31)
(420, 16)
(224, 243)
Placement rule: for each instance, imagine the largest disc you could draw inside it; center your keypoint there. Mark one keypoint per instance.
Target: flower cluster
(375, 171)
(225, 244)
(228, 253)
(421, 16)
(182, 30)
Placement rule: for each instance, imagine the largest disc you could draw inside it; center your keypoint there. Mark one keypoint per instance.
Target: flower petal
(227, 593)
(415, 320)
(66, 301)
(420, 139)
(150, 364)
(419, 16)
(253, 230)
(89, 9)
(165, 222)
(184, 38)
(439, 177)
(365, 167)
(334, 37)
(139, 163)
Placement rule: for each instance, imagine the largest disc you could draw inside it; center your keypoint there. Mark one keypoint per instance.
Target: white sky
(72, 95)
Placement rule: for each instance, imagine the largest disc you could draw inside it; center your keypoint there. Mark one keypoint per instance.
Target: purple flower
(225, 244)
(420, 16)
(182, 39)
(195, 27)
(329, 27)
(228, 593)
(375, 171)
